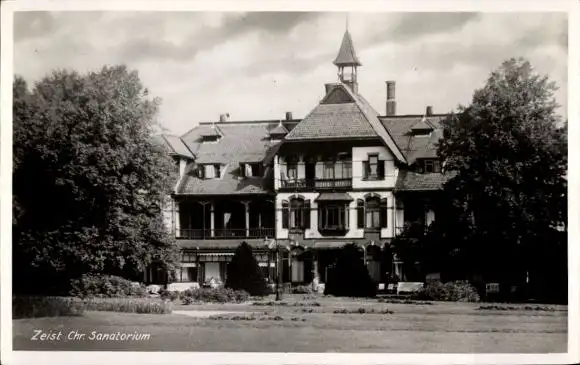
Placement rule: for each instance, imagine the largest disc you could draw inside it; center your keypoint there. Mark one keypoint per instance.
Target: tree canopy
(507, 152)
(89, 182)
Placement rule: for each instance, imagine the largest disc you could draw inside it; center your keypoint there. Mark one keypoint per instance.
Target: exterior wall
(360, 154)
(353, 231)
(277, 172)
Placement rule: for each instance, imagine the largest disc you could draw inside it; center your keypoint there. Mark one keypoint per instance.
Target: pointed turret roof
(346, 55)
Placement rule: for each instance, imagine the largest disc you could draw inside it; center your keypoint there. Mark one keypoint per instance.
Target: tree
(350, 277)
(244, 273)
(88, 181)
(508, 156)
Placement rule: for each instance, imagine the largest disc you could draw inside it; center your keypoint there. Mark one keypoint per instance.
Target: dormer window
(429, 166)
(211, 134)
(209, 171)
(250, 169)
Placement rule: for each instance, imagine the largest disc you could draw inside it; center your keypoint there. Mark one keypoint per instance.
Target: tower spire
(346, 60)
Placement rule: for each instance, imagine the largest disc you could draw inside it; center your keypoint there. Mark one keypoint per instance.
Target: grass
(439, 328)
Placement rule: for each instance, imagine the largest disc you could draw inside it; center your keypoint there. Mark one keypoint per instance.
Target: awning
(334, 197)
(215, 254)
(329, 245)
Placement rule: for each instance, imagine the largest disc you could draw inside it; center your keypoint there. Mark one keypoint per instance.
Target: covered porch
(225, 218)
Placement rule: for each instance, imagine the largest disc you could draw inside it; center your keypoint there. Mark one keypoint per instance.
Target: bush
(453, 291)
(170, 295)
(350, 277)
(32, 307)
(302, 289)
(245, 274)
(128, 305)
(105, 286)
(217, 295)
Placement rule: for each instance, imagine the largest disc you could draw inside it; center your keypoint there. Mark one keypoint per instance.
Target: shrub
(170, 295)
(128, 305)
(215, 295)
(350, 277)
(453, 291)
(31, 307)
(105, 286)
(302, 289)
(245, 274)
(362, 310)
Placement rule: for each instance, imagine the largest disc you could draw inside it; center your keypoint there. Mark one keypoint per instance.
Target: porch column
(177, 221)
(315, 277)
(212, 219)
(197, 268)
(247, 210)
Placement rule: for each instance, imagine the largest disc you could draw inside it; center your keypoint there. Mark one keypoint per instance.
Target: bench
(409, 287)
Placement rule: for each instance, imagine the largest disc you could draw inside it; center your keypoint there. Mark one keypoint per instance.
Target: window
(217, 171)
(296, 214)
(333, 217)
(372, 214)
(360, 213)
(431, 166)
(328, 172)
(249, 169)
(292, 167)
(374, 169)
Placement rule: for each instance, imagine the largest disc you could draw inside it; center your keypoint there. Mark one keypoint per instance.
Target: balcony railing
(320, 184)
(208, 234)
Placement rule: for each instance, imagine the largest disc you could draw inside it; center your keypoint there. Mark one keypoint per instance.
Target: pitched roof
(346, 54)
(345, 117)
(174, 145)
(413, 181)
(414, 146)
(241, 142)
(422, 125)
(280, 129)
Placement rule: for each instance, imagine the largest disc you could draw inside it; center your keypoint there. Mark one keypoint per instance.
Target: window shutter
(360, 214)
(285, 214)
(306, 214)
(346, 216)
(381, 169)
(383, 213)
(365, 169)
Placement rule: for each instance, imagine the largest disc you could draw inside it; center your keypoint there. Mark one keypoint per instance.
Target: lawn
(438, 327)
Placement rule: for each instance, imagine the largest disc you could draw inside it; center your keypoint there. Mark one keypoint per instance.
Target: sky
(259, 65)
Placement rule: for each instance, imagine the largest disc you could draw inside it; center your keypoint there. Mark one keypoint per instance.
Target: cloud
(232, 27)
(199, 62)
(33, 24)
(410, 27)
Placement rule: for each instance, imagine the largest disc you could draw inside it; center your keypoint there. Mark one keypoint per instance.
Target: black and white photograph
(273, 181)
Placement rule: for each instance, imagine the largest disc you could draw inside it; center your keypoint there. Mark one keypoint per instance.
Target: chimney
(288, 115)
(391, 102)
(428, 111)
(327, 88)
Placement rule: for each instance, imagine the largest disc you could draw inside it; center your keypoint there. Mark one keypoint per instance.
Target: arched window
(296, 213)
(372, 213)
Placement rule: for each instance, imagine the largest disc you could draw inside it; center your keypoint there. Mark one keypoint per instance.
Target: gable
(337, 96)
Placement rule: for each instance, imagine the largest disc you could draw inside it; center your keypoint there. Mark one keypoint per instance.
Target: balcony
(316, 184)
(208, 234)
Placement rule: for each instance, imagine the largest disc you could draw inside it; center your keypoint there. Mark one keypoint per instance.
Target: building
(343, 174)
